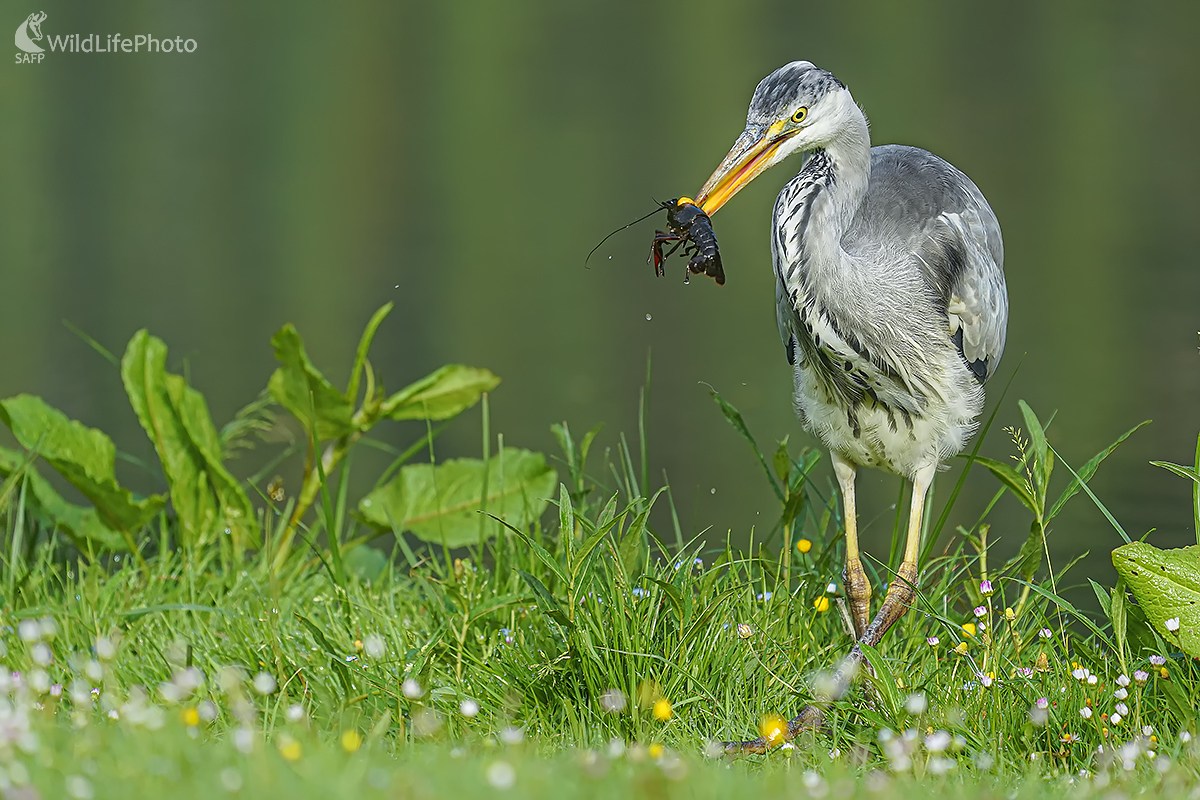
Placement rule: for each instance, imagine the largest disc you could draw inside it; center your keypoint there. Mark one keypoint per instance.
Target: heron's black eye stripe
(800, 114)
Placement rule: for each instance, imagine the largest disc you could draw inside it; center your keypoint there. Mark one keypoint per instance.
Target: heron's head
(797, 107)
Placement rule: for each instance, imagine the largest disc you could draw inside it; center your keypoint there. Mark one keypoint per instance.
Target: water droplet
(686, 279)
(397, 286)
(610, 258)
(648, 318)
(712, 491)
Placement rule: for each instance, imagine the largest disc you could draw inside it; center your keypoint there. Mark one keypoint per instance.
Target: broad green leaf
(365, 562)
(442, 503)
(48, 506)
(783, 462)
(1012, 479)
(1117, 616)
(1086, 472)
(1166, 584)
(300, 387)
(206, 497)
(82, 455)
(1102, 596)
(442, 394)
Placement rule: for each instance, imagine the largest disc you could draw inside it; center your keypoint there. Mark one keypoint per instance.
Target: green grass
(339, 655)
(597, 650)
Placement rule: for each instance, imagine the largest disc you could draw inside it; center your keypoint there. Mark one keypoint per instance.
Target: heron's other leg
(857, 586)
(903, 586)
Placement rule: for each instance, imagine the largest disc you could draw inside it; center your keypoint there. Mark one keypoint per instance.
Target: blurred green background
(310, 162)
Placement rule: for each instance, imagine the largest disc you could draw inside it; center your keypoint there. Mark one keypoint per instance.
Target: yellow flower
(662, 709)
(656, 750)
(744, 631)
(821, 603)
(772, 728)
(961, 648)
(1163, 671)
(190, 717)
(1009, 614)
(351, 741)
(289, 748)
(969, 628)
(804, 545)
(358, 645)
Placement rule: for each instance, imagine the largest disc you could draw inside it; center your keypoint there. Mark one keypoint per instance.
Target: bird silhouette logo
(30, 32)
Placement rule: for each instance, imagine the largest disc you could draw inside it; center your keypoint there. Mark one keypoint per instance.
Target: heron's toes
(811, 718)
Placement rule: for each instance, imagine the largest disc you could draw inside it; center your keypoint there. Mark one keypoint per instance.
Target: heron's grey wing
(949, 227)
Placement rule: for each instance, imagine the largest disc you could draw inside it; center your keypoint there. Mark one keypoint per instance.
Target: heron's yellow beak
(751, 154)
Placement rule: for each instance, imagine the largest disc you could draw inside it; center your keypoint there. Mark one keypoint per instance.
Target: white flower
(41, 655)
(79, 788)
(295, 713)
(916, 704)
(1092, 679)
(1079, 673)
(1172, 624)
(1122, 679)
(243, 740)
(1141, 676)
(980, 612)
(1121, 694)
(468, 708)
(1185, 736)
(937, 741)
(1085, 712)
(29, 630)
(502, 775)
(1115, 719)
(412, 690)
(512, 735)
(986, 680)
(1045, 633)
(106, 650)
(1158, 660)
(1042, 702)
(374, 646)
(940, 765)
(831, 588)
(206, 710)
(264, 683)
(1122, 709)
(613, 701)
(1147, 730)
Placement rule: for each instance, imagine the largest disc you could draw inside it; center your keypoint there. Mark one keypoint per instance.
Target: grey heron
(891, 303)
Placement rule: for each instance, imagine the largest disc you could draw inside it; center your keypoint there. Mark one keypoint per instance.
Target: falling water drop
(712, 490)
(648, 318)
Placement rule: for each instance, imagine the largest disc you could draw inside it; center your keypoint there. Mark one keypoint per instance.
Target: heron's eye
(800, 114)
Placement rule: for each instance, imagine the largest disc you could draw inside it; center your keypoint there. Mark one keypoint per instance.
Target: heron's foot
(810, 719)
(900, 595)
(858, 589)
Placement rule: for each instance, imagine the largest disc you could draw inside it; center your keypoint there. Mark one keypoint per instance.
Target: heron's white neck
(833, 183)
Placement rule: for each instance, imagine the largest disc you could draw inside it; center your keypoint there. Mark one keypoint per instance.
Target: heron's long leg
(857, 586)
(903, 587)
